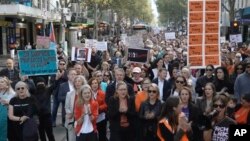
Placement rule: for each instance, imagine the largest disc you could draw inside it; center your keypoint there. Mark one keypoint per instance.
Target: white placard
(222, 39)
(169, 35)
(237, 38)
(102, 46)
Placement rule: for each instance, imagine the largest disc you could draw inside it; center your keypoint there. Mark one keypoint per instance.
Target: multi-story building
(20, 21)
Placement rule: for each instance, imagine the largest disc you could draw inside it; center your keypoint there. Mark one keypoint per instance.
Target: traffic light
(235, 27)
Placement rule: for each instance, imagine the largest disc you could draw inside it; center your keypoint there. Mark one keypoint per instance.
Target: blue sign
(37, 62)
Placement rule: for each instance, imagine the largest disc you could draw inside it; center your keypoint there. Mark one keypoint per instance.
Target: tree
(171, 11)
(230, 8)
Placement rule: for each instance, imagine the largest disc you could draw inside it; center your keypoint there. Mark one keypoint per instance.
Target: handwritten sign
(237, 38)
(37, 62)
(169, 35)
(195, 28)
(203, 33)
(137, 55)
(42, 42)
(195, 6)
(102, 46)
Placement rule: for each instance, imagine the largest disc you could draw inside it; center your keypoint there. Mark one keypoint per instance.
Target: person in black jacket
(42, 95)
(121, 114)
(203, 80)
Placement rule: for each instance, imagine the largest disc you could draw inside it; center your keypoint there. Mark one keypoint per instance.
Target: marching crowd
(162, 100)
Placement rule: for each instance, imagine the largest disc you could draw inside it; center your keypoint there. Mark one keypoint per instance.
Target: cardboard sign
(42, 42)
(170, 35)
(37, 62)
(135, 41)
(195, 5)
(81, 54)
(203, 33)
(237, 38)
(137, 55)
(102, 46)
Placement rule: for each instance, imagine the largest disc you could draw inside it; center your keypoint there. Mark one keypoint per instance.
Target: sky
(155, 12)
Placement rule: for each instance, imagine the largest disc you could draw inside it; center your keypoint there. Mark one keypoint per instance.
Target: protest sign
(102, 46)
(169, 35)
(137, 55)
(203, 33)
(37, 62)
(81, 54)
(237, 38)
(42, 42)
(135, 41)
(90, 43)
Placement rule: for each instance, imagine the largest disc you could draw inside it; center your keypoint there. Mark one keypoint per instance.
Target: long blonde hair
(82, 89)
(9, 88)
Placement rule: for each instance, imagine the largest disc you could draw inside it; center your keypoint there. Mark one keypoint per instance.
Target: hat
(238, 54)
(40, 79)
(137, 69)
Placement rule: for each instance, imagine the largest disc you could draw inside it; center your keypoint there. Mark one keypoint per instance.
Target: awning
(246, 13)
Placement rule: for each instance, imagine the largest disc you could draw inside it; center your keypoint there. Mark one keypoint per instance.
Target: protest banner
(137, 55)
(203, 33)
(169, 35)
(37, 62)
(42, 42)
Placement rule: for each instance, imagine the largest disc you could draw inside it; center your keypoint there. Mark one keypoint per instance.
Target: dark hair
(222, 98)
(93, 79)
(168, 110)
(240, 64)
(210, 65)
(226, 74)
(246, 97)
(189, 92)
(184, 79)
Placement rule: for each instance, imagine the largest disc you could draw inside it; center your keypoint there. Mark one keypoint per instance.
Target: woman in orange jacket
(86, 113)
(99, 96)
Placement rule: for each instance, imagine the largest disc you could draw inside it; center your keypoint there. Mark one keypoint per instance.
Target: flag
(52, 37)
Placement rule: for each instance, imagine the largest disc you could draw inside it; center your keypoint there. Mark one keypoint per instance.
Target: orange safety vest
(165, 121)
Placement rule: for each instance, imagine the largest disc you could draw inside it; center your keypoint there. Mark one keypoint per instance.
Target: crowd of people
(160, 100)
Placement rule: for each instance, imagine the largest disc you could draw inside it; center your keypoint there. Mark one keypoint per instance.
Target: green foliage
(171, 10)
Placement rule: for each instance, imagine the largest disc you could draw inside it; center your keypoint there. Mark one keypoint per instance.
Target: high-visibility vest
(165, 122)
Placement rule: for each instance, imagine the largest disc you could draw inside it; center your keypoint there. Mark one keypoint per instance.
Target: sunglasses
(209, 69)
(152, 91)
(20, 88)
(181, 82)
(218, 105)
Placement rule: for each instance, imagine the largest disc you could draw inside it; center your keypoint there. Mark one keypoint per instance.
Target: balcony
(26, 10)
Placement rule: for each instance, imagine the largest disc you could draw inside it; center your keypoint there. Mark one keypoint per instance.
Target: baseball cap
(137, 70)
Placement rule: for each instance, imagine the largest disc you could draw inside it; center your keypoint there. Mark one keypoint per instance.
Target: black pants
(102, 130)
(87, 137)
(45, 127)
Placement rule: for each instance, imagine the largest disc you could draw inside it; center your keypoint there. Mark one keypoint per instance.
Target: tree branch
(223, 5)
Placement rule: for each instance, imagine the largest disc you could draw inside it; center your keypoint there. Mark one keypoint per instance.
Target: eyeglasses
(152, 91)
(106, 75)
(61, 64)
(181, 82)
(209, 69)
(20, 88)
(218, 105)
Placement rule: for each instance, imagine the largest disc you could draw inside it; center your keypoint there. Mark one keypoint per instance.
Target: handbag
(30, 130)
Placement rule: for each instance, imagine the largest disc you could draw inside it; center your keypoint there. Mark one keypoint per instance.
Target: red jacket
(79, 110)
(100, 98)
